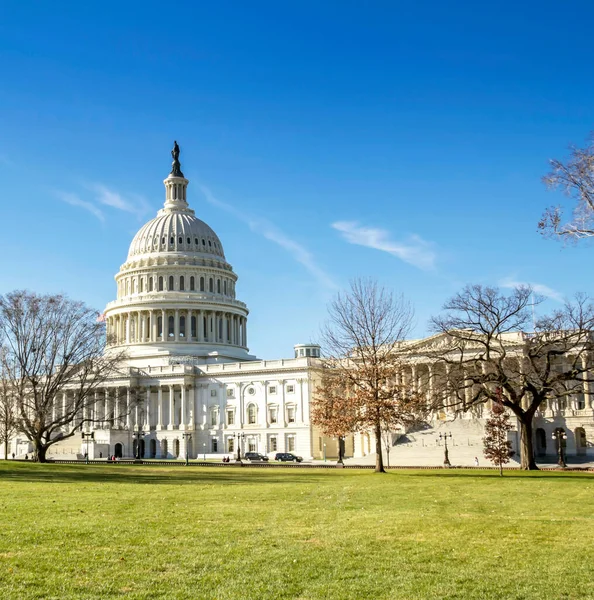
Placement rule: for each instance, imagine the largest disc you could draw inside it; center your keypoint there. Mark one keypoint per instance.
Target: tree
(487, 349)
(576, 179)
(361, 386)
(8, 414)
(54, 362)
(497, 448)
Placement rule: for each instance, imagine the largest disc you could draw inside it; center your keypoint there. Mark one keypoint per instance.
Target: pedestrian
(13, 456)
(476, 463)
(100, 454)
(26, 457)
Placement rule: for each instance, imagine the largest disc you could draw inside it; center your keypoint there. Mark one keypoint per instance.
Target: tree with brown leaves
(361, 384)
(54, 350)
(492, 345)
(497, 448)
(575, 178)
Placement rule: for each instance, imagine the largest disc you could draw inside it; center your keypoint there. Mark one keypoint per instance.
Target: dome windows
(182, 283)
(170, 286)
(201, 284)
(192, 284)
(180, 240)
(160, 284)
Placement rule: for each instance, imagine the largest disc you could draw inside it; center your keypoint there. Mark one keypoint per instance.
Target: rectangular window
(252, 447)
(272, 445)
(291, 443)
(273, 414)
(290, 389)
(213, 393)
(214, 444)
(230, 444)
(213, 418)
(291, 414)
(230, 417)
(272, 389)
(230, 393)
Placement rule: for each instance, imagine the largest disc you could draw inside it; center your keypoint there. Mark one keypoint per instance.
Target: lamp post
(187, 436)
(324, 451)
(559, 436)
(204, 450)
(240, 437)
(138, 435)
(446, 456)
(86, 437)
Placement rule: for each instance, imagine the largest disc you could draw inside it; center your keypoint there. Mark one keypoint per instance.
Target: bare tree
(363, 367)
(8, 414)
(488, 350)
(576, 179)
(54, 350)
(497, 448)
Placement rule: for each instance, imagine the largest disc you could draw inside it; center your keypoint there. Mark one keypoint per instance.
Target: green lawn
(97, 531)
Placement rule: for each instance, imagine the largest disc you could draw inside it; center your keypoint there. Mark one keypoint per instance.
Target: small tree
(576, 179)
(362, 387)
(54, 362)
(497, 448)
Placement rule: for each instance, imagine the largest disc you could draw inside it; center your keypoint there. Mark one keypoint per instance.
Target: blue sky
(323, 141)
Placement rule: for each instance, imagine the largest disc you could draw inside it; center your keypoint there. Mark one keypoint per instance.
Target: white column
(225, 326)
(176, 325)
(182, 424)
(171, 406)
(163, 326)
(128, 409)
(192, 403)
(159, 407)
(148, 408)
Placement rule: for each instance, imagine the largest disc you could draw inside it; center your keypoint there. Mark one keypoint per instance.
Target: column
(148, 408)
(128, 409)
(192, 403)
(171, 406)
(585, 382)
(159, 407)
(225, 327)
(200, 326)
(176, 325)
(116, 408)
(106, 410)
(128, 319)
(163, 326)
(182, 419)
(153, 314)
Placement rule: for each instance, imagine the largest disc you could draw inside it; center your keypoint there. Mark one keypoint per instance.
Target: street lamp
(204, 450)
(324, 451)
(446, 457)
(559, 436)
(187, 436)
(138, 435)
(86, 437)
(240, 437)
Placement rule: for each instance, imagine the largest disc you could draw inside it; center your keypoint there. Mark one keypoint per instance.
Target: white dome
(176, 231)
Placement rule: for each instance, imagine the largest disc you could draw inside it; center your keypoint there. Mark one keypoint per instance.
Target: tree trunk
(527, 462)
(6, 448)
(40, 451)
(379, 459)
(501, 467)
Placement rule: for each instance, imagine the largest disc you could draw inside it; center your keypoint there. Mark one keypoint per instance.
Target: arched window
(205, 329)
(164, 449)
(141, 285)
(202, 284)
(160, 327)
(291, 414)
(170, 288)
(221, 329)
(153, 448)
(171, 327)
(182, 327)
(218, 286)
(133, 289)
(193, 327)
(180, 240)
(189, 241)
(211, 285)
(251, 414)
(580, 440)
(150, 284)
(192, 284)
(225, 287)
(171, 240)
(182, 283)
(127, 287)
(160, 284)
(176, 448)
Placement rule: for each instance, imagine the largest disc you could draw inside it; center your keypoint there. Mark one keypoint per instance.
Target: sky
(323, 141)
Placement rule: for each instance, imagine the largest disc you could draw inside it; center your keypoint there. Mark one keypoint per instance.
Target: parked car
(255, 456)
(287, 457)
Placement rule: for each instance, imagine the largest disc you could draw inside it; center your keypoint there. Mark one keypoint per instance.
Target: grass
(98, 531)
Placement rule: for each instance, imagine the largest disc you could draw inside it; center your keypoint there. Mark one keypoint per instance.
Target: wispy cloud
(133, 204)
(539, 288)
(414, 251)
(74, 200)
(271, 232)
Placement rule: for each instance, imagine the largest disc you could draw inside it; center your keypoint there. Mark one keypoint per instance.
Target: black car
(255, 456)
(287, 457)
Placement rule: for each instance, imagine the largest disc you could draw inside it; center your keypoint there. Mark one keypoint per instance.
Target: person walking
(476, 462)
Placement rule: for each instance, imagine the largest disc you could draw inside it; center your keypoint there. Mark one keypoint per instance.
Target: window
(160, 284)
(189, 241)
(272, 389)
(251, 414)
(273, 414)
(308, 352)
(202, 284)
(211, 285)
(204, 242)
(291, 443)
(182, 327)
(252, 446)
(171, 240)
(192, 284)
(291, 414)
(182, 283)
(150, 284)
(230, 417)
(193, 327)
(171, 327)
(230, 393)
(214, 417)
(160, 326)
(231, 444)
(196, 241)
(170, 283)
(180, 240)
(580, 402)
(141, 285)
(272, 444)
(290, 389)
(218, 286)
(214, 444)
(213, 393)
(224, 288)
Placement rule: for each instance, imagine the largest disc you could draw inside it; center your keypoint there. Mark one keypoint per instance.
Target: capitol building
(189, 386)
